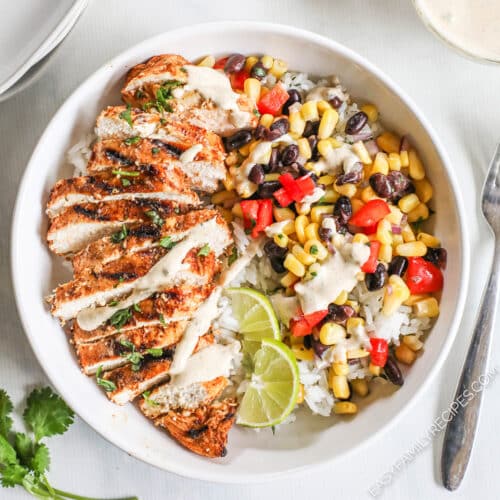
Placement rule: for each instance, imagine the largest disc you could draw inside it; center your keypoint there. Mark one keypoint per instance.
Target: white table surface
(459, 96)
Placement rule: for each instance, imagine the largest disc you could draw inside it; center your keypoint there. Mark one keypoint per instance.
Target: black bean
(398, 265)
(266, 189)
(293, 97)
(437, 256)
(237, 140)
(256, 175)
(308, 341)
(277, 263)
(258, 71)
(356, 123)
(311, 128)
(375, 281)
(381, 185)
(290, 154)
(343, 209)
(293, 168)
(352, 177)
(273, 250)
(401, 185)
(272, 135)
(318, 347)
(235, 63)
(274, 159)
(336, 102)
(393, 372)
(259, 132)
(313, 144)
(282, 124)
(338, 314)
(325, 233)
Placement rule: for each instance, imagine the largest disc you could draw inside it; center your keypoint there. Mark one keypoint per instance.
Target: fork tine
(493, 178)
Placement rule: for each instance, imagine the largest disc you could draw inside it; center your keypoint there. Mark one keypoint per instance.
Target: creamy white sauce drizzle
(160, 275)
(276, 228)
(209, 363)
(472, 25)
(190, 154)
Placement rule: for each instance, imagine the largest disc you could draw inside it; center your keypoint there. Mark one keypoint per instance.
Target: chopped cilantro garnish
(162, 319)
(204, 250)
(107, 385)
(127, 115)
(149, 402)
(120, 235)
(167, 242)
(120, 318)
(125, 182)
(137, 308)
(313, 250)
(125, 173)
(132, 140)
(155, 217)
(155, 151)
(156, 352)
(233, 256)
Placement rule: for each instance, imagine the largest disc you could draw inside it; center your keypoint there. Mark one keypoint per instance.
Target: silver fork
(461, 430)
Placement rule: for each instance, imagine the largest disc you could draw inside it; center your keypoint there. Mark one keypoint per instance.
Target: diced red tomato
(257, 215)
(371, 264)
(306, 184)
(370, 214)
(238, 79)
(379, 351)
(291, 187)
(220, 63)
(273, 101)
(423, 277)
(303, 324)
(282, 197)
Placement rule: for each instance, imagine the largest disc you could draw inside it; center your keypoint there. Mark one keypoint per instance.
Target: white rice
(79, 154)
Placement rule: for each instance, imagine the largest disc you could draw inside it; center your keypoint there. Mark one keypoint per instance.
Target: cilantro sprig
(24, 458)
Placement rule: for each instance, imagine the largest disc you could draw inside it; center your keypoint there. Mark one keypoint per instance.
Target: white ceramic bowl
(312, 440)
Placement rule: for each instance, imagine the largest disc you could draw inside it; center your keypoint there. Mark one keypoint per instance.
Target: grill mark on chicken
(170, 148)
(116, 157)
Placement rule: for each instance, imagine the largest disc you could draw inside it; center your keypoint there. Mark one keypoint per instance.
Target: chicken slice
(118, 349)
(170, 305)
(203, 168)
(204, 430)
(128, 384)
(144, 181)
(77, 225)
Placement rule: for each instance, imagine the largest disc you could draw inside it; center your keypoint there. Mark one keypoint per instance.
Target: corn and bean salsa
(319, 174)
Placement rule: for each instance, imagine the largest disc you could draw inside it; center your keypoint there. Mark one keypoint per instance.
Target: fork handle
(460, 431)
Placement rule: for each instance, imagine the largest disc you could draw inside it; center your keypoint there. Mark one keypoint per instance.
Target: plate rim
(306, 35)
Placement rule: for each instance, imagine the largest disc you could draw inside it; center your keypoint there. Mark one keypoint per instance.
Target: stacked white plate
(29, 31)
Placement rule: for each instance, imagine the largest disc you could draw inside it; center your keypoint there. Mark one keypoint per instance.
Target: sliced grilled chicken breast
(171, 305)
(163, 83)
(76, 226)
(120, 348)
(204, 430)
(166, 397)
(129, 383)
(204, 167)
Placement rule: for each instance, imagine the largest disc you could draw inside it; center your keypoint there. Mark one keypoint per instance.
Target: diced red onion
(396, 229)
(371, 147)
(405, 144)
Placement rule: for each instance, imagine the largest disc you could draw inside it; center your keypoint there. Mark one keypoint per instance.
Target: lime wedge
(254, 313)
(273, 389)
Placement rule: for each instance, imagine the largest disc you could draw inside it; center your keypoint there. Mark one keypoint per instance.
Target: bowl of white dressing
(470, 26)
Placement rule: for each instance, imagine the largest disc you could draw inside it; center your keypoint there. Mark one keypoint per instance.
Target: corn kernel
(394, 161)
(318, 211)
(405, 160)
(288, 228)
(419, 213)
(303, 354)
(294, 265)
(301, 222)
(348, 190)
(341, 299)
(426, 308)
(357, 354)
(222, 196)
(353, 323)
(354, 304)
(228, 183)
(413, 342)
(244, 150)
(360, 387)
(300, 395)
(345, 408)
(303, 208)
(250, 63)
(326, 180)
(207, 62)
(266, 120)
(380, 164)
(408, 203)
(423, 189)
(360, 238)
(371, 111)
(411, 249)
(278, 68)
(312, 271)
(281, 240)
(288, 280)
(232, 159)
(429, 240)
(385, 253)
(384, 234)
(397, 239)
(395, 295)
(304, 148)
(404, 354)
(297, 123)
(226, 213)
(316, 249)
(325, 148)
(389, 142)
(413, 299)
(252, 88)
(360, 149)
(236, 210)
(309, 111)
(271, 177)
(395, 216)
(339, 369)
(374, 369)
(407, 233)
(323, 106)
(328, 123)
(340, 386)
(331, 334)
(312, 231)
(302, 256)
(330, 196)
(368, 194)
(281, 214)
(415, 167)
(267, 61)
